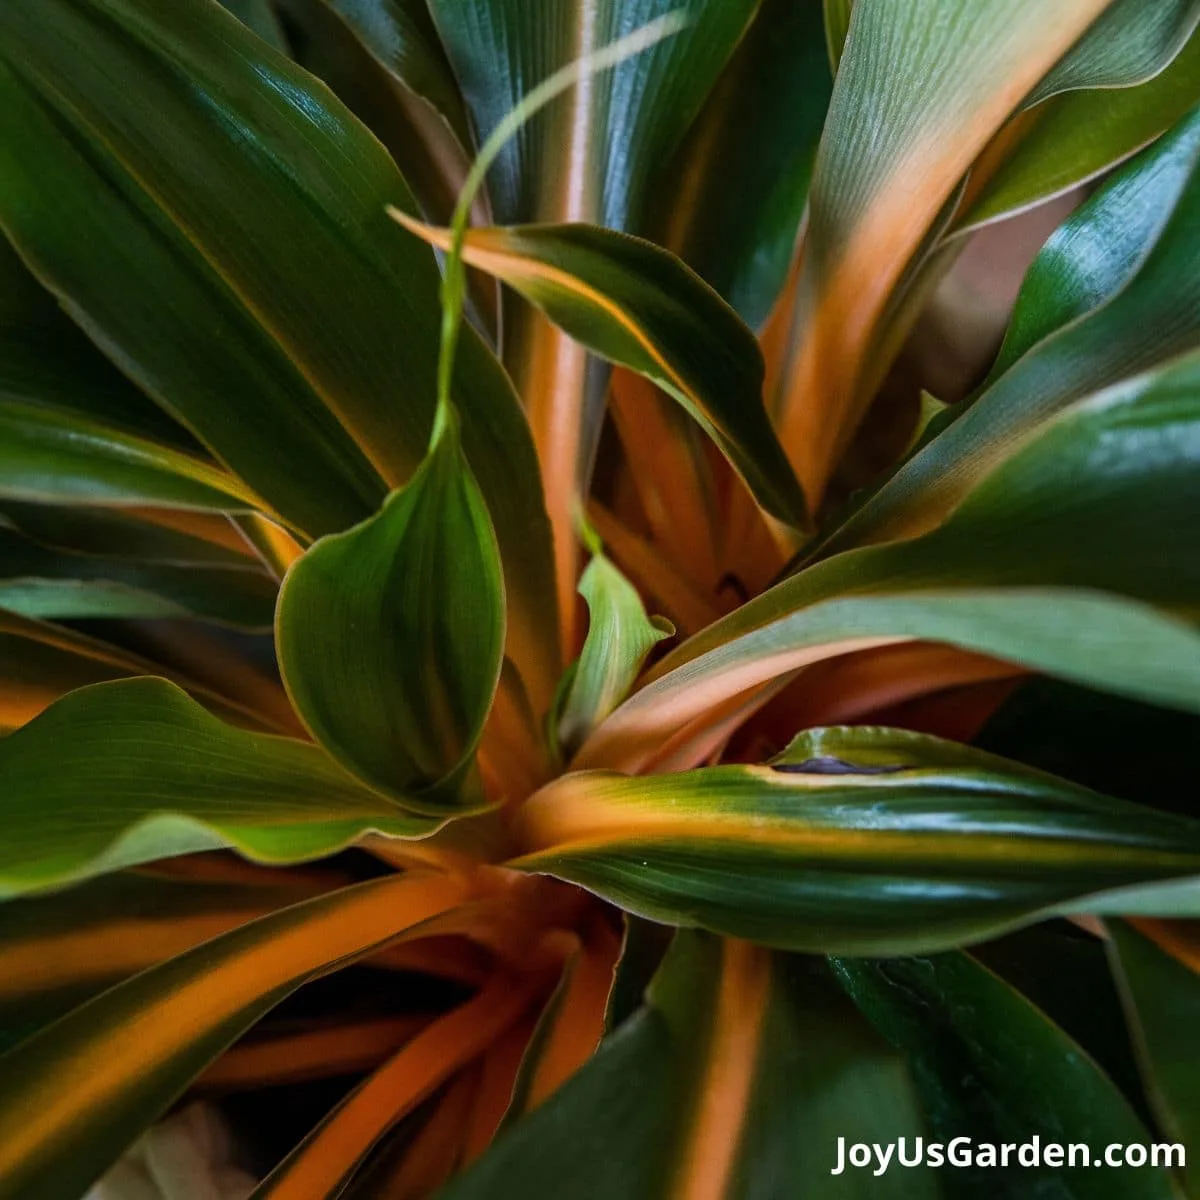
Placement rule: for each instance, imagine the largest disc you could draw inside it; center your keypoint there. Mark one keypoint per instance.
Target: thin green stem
(454, 281)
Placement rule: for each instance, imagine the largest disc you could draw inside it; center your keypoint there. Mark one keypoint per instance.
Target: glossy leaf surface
(1150, 317)
(638, 306)
(391, 635)
(133, 770)
(889, 844)
(180, 185)
(741, 239)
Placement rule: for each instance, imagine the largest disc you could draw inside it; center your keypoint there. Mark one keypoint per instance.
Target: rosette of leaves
(466, 706)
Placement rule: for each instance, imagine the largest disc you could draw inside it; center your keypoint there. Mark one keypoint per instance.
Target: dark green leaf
(1163, 1005)
(391, 635)
(259, 16)
(636, 305)
(856, 841)
(631, 1124)
(60, 457)
(741, 239)
(989, 1066)
(39, 581)
(45, 359)
(618, 132)
(131, 771)
(215, 219)
(74, 1097)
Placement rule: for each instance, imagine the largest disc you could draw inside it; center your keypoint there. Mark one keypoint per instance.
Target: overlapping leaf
(133, 770)
(1100, 500)
(42, 662)
(1162, 999)
(920, 91)
(847, 845)
(74, 1097)
(735, 1079)
(636, 305)
(959, 1027)
(391, 635)
(215, 220)
(741, 239)
(1088, 317)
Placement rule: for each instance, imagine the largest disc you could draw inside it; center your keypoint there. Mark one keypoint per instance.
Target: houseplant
(905, 759)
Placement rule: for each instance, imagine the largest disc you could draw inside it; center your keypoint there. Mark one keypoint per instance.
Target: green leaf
(1075, 136)
(391, 635)
(384, 61)
(75, 1096)
(40, 662)
(59, 457)
(618, 132)
(741, 240)
(400, 34)
(40, 581)
(1103, 245)
(913, 845)
(921, 90)
(45, 359)
(1128, 44)
(814, 1071)
(216, 221)
(1147, 312)
(990, 1066)
(837, 25)
(638, 306)
(118, 533)
(1162, 1002)
(259, 16)
(60, 949)
(1015, 573)
(619, 639)
(130, 771)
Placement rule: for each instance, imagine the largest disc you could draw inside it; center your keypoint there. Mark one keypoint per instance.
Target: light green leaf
(990, 1066)
(619, 639)
(1128, 44)
(130, 771)
(59, 457)
(216, 221)
(75, 1096)
(1076, 136)
(914, 845)
(1103, 245)
(637, 305)
(1162, 1003)
(391, 635)
(814, 1071)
